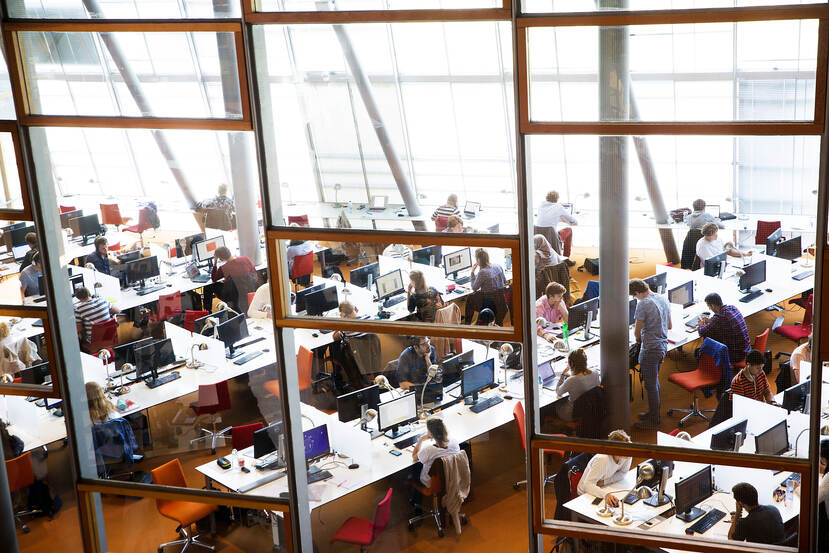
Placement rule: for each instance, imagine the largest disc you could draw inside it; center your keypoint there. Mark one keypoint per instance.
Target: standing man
(550, 214)
(727, 326)
(653, 319)
(413, 363)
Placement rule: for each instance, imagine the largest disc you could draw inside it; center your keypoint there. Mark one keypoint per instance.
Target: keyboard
(149, 290)
(804, 274)
(246, 357)
(463, 279)
(794, 477)
(406, 442)
(485, 404)
(394, 301)
(693, 322)
(161, 380)
(319, 475)
(752, 296)
(39, 299)
(201, 277)
(708, 520)
(244, 488)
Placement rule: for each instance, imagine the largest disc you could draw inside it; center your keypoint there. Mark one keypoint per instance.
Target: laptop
(378, 203)
(195, 274)
(546, 374)
(471, 209)
(713, 209)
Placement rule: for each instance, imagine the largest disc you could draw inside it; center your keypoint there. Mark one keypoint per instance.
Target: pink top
(543, 309)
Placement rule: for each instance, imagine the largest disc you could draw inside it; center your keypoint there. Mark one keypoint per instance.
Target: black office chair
(689, 259)
(723, 411)
(115, 446)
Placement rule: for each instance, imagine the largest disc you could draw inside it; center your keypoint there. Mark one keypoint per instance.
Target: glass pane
(690, 72)
(26, 359)
(19, 278)
(357, 5)
(535, 6)
(9, 174)
(434, 119)
(124, 9)
(6, 100)
(132, 74)
(432, 284)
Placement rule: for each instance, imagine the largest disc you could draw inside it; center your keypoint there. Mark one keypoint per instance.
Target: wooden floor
(497, 513)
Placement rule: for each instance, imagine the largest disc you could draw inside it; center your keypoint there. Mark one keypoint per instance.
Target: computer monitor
(126, 353)
(396, 413)
(713, 209)
(19, 252)
(774, 441)
(265, 440)
(163, 354)
(795, 397)
(198, 324)
(36, 374)
(715, 266)
(141, 269)
(494, 229)
(771, 242)
(433, 394)
(19, 234)
(68, 216)
(389, 285)
(299, 302)
(126, 257)
(453, 366)
(457, 261)
(75, 282)
(682, 295)
(359, 276)
(477, 378)
(144, 367)
(184, 246)
(658, 283)
(790, 249)
(753, 274)
(430, 255)
(632, 311)
(726, 439)
(581, 312)
(320, 302)
(316, 442)
(231, 331)
(350, 405)
(691, 490)
(206, 248)
(472, 208)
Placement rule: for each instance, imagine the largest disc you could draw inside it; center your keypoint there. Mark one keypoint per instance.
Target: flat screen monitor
(89, 225)
(299, 303)
(206, 248)
(773, 441)
(184, 246)
(715, 265)
(198, 324)
(658, 283)
(790, 249)
(19, 234)
(753, 274)
(632, 311)
(432, 395)
(349, 406)
(19, 252)
(126, 353)
(265, 440)
(578, 313)
(794, 398)
(477, 378)
(397, 412)
(359, 276)
(144, 361)
(233, 330)
(457, 261)
(126, 257)
(316, 443)
(68, 216)
(472, 208)
(163, 354)
(690, 491)
(389, 285)
(141, 269)
(725, 440)
(682, 295)
(453, 366)
(320, 302)
(430, 255)
(75, 282)
(36, 374)
(771, 242)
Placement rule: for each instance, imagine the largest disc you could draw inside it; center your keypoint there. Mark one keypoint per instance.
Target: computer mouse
(353, 466)
(266, 350)
(169, 285)
(768, 290)
(689, 531)
(284, 495)
(315, 335)
(507, 396)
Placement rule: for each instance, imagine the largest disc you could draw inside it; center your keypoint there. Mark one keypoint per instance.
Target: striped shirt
(729, 327)
(743, 386)
(95, 310)
(445, 211)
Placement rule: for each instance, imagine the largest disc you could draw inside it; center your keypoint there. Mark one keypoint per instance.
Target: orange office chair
(518, 415)
(190, 318)
(184, 512)
(111, 215)
(144, 223)
(20, 475)
(304, 364)
(67, 208)
(764, 229)
(706, 374)
(250, 297)
(798, 332)
(759, 345)
(104, 335)
(302, 269)
(242, 436)
(169, 305)
(362, 532)
(212, 399)
(301, 220)
(114, 247)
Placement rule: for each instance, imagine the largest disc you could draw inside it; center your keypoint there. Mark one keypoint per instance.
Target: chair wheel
(464, 520)
(440, 533)
(670, 412)
(515, 487)
(681, 424)
(26, 529)
(411, 527)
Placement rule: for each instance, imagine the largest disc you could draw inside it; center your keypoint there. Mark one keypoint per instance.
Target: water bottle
(234, 459)
(789, 491)
(350, 207)
(508, 260)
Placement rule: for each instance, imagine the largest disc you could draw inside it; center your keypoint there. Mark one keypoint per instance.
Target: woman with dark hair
(422, 299)
(441, 445)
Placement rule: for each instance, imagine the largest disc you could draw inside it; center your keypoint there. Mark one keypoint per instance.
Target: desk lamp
(434, 372)
(503, 354)
(683, 436)
(383, 382)
(222, 305)
(337, 188)
(661, 498)
(338, 279)
(210, 324)
(170, 255)
(97, 284)
(104, 356)
(121, 389)
(646, 472)
(368, 416)
(194, 364)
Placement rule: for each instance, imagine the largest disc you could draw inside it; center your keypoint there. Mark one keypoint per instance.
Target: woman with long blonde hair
(101, 408)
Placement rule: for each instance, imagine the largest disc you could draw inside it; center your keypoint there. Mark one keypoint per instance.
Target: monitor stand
(313, 469)
(471, 400)
(232, 353)
(586, 334)
(690, 515)
(397, 431)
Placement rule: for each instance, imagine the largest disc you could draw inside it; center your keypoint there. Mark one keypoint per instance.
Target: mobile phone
(597, 501)
(223, 462)
(395, 452)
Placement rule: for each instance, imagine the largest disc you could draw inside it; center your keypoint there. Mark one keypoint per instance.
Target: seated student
(486, 276)
(545, 255)
(414, 362)
(295, 249)
(699, 218)
(762, 523)
(90, 310)
(347, 311)
(221, 203)
(260, 306)
(398, 251)
(351, 350)
(727, 327)
(448, 209)
(581, 380)
(441, 445)
(551, 306)
(801, 353)
(31, 240)
(238, 269)
(101, 408)
(29, 278)
(551, 213)
(454, 224)
(709, 245)
(603, 470)
(751, 381)
(423, 300)
(486, 317)
(101, 258)
(11, 444)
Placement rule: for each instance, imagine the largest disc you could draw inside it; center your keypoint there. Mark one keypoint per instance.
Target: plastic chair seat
(694, 380)
(355, 530)
(185, 512)
(795, 333)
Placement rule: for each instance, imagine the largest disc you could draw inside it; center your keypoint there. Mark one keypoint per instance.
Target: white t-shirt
(551, 214)
(428, 454)
(261, 298)
(602, 467)
(706, 249)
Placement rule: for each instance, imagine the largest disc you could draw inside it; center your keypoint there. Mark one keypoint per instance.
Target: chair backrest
(111, 214)
(114, 247)
(591, 290)
(144, 221)
(301, 220)
(674, 432)
(760, 341)
(551, 235)
(242, 436)
(764, 228)
(591, 410)
(303, 265)
(807, 315)
(169, 305)
(19, 472)
(168, 474)
(191, 316)
(689, 259)
(554, 273)
(441, 223)
(250, 297)
(566, 481)
(67, 208)
(215, 397)
(381, 516)
(304, 364)
(518, 415)
(708, 366)
(104, 335)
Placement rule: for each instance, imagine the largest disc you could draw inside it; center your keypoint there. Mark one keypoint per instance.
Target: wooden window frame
(25, 213)
(251, 14)
(34, 390)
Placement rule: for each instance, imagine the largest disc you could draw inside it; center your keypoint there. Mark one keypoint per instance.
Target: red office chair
(441, 223)
(303, 267)
(212, 399)
(250, 297)
(186, 513)
(242, 436)
(169, 305)
(301, 220)
(759, 345)
(798, 332)
(190, 318)
(304, 364)
(764, 228)
(104, 335)
(362, 532)
(144, 223)
(518, 415)
(706, 374)
(566, 235)
(20, 475)
(114, 247)
(111, 215)
(67, 208)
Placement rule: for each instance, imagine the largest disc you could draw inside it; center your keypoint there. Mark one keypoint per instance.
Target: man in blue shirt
(413, 363)
(100, 258)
